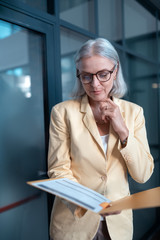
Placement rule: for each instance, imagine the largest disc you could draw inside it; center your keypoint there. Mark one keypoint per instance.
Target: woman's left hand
(111, 112)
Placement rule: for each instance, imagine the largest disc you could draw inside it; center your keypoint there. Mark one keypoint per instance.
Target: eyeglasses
(102, 76)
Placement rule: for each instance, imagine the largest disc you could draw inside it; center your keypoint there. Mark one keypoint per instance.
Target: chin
(98, 98)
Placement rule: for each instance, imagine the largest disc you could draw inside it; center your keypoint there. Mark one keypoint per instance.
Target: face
(96, 90)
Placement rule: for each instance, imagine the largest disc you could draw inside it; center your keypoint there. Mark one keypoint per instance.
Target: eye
(86, 76)
(103, 74)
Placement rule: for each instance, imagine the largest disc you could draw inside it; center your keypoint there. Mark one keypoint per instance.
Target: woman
(97, 139)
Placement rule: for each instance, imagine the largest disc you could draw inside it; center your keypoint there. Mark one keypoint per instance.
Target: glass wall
(70, 42)
(158, 38)
(42, 5)
(79, 13)
(143, 91)
(110, 20)
(22, 144)
(140, 29)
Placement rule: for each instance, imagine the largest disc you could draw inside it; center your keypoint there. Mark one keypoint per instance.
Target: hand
(111, 112)
(111, 213)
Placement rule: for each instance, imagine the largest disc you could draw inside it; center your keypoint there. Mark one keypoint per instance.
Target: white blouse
(105, 142)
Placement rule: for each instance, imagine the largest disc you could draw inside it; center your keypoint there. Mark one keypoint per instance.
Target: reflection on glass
(110, 19)
(7, 29)
(22, 151)
(70, 42)
(19, 78)
(80, 13)
(140, 29)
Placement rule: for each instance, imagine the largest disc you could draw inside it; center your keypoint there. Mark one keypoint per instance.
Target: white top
(105, 142)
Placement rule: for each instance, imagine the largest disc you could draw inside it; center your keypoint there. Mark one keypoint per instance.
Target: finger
(110, 103)
(107, 105)
(103, 106)
(108, 112)
(111, 213)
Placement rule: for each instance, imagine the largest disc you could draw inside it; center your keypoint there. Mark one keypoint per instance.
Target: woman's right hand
(111, 213)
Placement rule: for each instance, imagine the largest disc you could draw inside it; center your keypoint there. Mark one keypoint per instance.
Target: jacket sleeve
(59, 160)
(136, 153)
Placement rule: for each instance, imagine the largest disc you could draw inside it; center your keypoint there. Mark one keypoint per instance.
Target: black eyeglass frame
(96, 74)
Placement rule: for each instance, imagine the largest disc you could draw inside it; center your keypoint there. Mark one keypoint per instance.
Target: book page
(73, 192)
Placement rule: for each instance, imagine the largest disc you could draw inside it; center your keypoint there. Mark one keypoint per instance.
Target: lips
(96, 92)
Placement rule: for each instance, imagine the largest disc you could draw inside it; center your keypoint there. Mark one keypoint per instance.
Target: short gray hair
(104, 48)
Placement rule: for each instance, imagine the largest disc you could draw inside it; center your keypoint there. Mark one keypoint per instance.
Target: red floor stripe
(18, 203)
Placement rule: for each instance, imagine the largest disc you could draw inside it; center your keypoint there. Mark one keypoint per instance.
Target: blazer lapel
(111, 141)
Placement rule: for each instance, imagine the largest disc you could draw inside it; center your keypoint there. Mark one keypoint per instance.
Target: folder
(94, 201)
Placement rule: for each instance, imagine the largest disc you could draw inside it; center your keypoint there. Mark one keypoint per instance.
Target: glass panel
(140, 29)
(144, 219)
(144, 91)
(70, 43)
(26, 222)
(79, 12)
(110, 19)
(22, 142)
(43, 5)
(159, 39)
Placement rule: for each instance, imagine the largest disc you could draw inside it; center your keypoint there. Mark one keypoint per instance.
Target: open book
(91, 200)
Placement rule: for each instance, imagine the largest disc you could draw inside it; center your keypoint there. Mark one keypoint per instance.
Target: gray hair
(104, 48)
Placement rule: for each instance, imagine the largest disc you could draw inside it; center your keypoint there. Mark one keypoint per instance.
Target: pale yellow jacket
(76, 152)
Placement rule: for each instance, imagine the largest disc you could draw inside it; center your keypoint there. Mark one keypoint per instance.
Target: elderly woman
(96, 139)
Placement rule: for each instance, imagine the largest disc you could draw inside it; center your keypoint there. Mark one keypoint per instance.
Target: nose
(95, 82)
